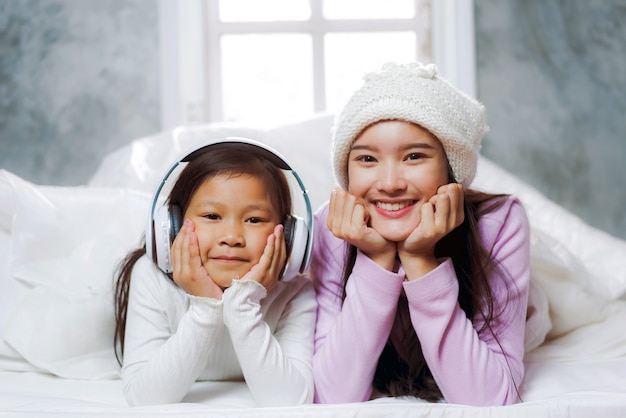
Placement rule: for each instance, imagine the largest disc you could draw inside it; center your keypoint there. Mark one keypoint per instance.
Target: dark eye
(366, 158)
(414, 156)
(212, 216)
(254, 220)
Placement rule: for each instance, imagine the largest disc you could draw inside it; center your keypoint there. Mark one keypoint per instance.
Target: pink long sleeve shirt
(469, 368)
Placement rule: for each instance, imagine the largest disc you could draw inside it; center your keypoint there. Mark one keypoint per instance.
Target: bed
(59, 246)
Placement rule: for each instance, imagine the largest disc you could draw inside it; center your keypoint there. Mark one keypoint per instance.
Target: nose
(391, 178)
(232, 234)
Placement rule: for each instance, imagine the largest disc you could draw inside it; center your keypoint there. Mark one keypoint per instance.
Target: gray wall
(80, 78)
(77, 80)
(552, 75)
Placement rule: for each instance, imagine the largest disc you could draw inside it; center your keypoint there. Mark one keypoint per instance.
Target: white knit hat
(413, 93)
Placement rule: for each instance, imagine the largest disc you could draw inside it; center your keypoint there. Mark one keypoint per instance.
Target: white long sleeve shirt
(173, 339)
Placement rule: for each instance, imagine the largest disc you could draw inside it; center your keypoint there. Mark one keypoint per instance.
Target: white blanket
(60, 245)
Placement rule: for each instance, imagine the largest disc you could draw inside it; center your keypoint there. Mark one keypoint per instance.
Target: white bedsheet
(59, 246)
(560, 389)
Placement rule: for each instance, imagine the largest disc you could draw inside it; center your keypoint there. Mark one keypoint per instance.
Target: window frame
(190, 56)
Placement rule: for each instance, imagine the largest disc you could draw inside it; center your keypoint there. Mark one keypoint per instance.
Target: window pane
(266, 77)
(263, 10)
(350, 56)
(369, 9)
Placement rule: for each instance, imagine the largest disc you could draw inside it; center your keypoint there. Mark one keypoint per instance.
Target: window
(268, 60)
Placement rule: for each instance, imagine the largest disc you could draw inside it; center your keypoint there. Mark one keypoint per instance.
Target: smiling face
(233, 216)
(394, 167)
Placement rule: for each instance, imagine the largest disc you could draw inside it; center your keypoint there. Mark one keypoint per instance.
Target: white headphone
(166, 220)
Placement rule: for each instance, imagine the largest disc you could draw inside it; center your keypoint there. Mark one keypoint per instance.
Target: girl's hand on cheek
(443, 213)
(188, 271)
(348, 220)
(271, 263)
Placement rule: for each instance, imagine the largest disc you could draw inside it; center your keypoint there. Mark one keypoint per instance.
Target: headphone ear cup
(166, 226)
(176, 221)
(297, 242)
(289, 225)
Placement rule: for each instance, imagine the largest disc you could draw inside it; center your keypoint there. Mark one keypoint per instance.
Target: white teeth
(394, 206)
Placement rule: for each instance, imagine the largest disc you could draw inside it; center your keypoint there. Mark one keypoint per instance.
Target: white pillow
(599, 256)
(305, 144)
(11, 291)
(560, 275)
(66, 242)
(65, 245)
(576, 278)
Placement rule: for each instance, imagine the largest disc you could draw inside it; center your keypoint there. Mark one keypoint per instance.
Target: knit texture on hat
(413, 93)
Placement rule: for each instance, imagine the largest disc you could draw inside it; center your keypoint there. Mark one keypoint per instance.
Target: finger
(190, 244)
(193, 252)
(265, 262)
(442, 213)
(279, 256)
(334, 209)
(359, 217)
(427, 221)
(278, 260)
(282, 247)
(176, 251)
(455, 194)
(343, 219)
(457, 200)
(355, 213)
(338, 210)
(189, 252)
(268, 252)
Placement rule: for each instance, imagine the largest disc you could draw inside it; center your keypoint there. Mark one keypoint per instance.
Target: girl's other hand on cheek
(443, 213)
(188, 271)
(271, 263)
(348, 220)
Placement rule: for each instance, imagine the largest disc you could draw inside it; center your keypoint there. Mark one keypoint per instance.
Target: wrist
(416, 267)
(385, 260)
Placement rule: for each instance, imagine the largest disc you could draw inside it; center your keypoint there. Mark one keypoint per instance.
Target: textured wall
(80, 78)
(77, 80)
(552, 75)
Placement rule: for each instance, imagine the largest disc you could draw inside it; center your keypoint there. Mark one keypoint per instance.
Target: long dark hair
(220, 160)
(473, 264)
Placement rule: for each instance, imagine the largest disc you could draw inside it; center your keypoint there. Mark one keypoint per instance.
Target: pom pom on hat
(413, 93)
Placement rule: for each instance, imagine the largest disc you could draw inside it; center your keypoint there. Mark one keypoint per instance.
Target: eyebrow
(417, 145)
(211, 202)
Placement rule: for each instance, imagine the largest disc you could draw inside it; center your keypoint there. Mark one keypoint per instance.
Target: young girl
(421, 282)
(222, 314)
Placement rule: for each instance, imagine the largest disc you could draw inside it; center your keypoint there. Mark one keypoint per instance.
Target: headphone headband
(163, 225)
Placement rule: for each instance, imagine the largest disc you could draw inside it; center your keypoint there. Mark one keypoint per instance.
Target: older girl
(421, 281)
